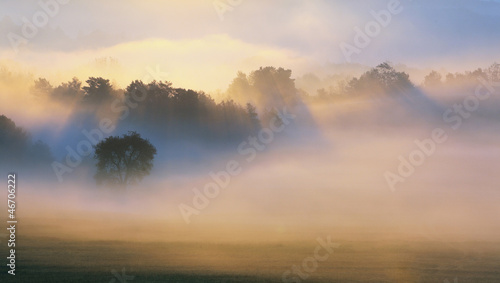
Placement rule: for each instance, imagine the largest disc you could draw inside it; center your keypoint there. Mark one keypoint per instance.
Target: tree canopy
(266, 87)
(16, 147)
(123, 160)
(383, 78)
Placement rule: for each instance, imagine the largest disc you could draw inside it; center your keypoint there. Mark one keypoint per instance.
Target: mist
(249, 141)
(324, 172)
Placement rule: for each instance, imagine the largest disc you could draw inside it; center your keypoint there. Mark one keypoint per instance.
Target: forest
(179, 119)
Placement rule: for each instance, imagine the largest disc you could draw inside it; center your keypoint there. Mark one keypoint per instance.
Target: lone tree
(123, 160)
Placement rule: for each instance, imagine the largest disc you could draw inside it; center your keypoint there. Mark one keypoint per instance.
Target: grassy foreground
(56, 260)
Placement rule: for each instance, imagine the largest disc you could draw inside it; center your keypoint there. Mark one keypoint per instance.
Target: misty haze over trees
(179, 120)
(18, 150)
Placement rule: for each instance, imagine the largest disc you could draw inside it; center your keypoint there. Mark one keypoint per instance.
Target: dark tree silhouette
(16, 146)
(123, 160)
(13, 140)
(97, 91)
(69, 92)
(272, 81)
(184, 113)
(382, 79)
(254, 117)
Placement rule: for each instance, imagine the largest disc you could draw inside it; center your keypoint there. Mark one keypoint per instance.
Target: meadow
(59, 260)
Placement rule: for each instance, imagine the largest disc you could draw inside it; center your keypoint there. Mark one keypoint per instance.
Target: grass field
(56, 260)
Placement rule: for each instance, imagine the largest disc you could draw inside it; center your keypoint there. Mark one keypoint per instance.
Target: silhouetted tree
(69, 92)
(382, 79)
(97, 91)
(253, 116)
(266, 87)
(42, 88)
(123, 160)
(185, 113)
(13, 140)
(433, 79)
(274, 86)
(16, 146)
(470, 78)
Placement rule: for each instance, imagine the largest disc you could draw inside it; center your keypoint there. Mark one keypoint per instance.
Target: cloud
(207, 63)
(426, 33)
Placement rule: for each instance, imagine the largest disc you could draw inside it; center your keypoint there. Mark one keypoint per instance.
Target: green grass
(55, 260)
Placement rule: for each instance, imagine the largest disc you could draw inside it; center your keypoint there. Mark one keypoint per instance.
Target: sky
(201, 44)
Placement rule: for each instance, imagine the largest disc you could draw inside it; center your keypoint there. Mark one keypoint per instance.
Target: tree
(123, 160)
(240, 89)
(274, 86)
(185, 113)
(433, 79)
(16, 146)
(383, 78)
(265, 87)
(69, 92)
(13, 140)
(42, 88)
(253, 117)
(97, 91)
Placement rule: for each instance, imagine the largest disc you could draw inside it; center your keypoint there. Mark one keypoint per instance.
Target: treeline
(385, 79)
(381, 80)
(436, 79)
(177, 113)
(184, 113)
(173, 115)
(155, 107)
(175, 118)
(17, 150)
(266, 87)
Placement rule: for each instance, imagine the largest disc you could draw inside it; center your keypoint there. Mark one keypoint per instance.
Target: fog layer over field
(303, 184)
